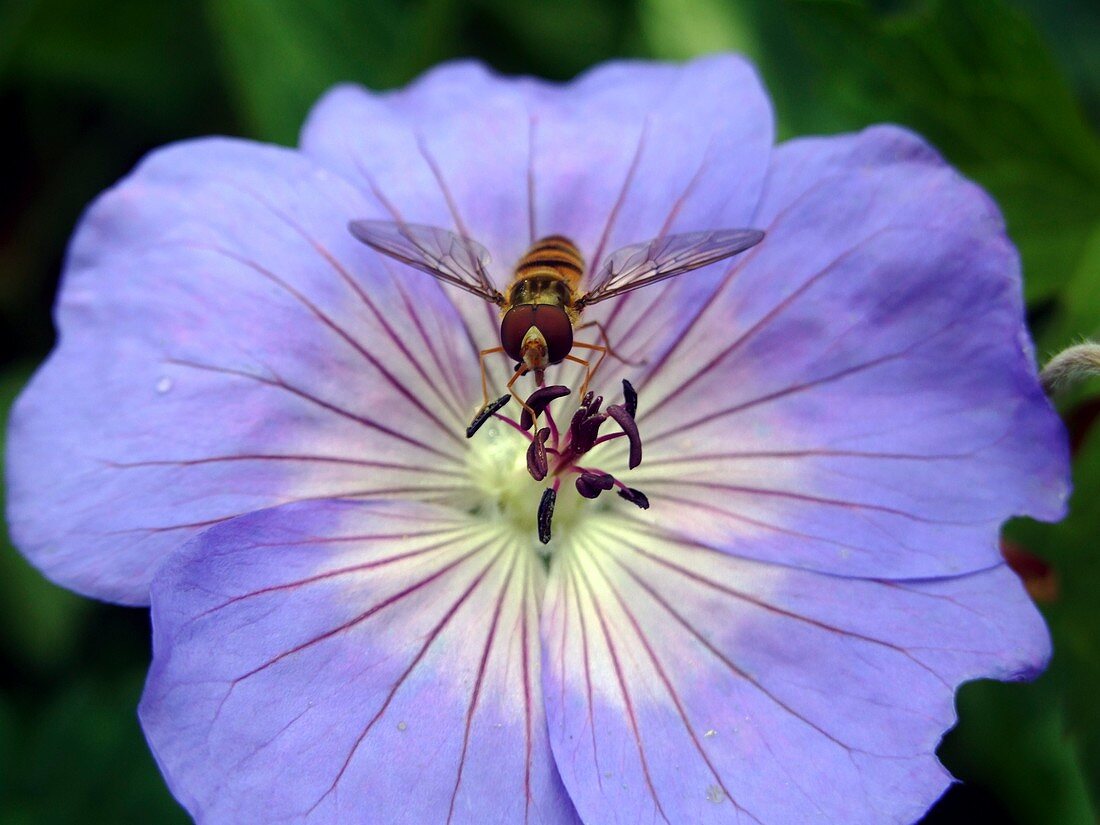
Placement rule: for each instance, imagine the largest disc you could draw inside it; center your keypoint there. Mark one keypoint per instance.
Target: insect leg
(521, 371)
(589, 369)
(484, 378)
(607, 342)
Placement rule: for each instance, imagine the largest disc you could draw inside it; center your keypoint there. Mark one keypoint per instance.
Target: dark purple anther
(588, 396)
(546, 513)
(635, 497)
(485, 414)
(630, 396)
(537, 465)
(586, 432)
(578, 419)
(625, 420)
(539, 400)
(590, 485)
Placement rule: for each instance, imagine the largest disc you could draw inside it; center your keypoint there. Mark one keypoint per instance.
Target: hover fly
(542, 306)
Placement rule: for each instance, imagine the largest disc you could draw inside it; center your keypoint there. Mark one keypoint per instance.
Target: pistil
(552, 453)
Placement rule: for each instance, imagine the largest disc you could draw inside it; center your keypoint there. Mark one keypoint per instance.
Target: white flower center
(502, 490)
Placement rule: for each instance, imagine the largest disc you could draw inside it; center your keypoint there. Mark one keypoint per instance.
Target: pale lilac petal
(859, 396)
(684, 685)
(226, 345)
(623, 154)
(342, 662)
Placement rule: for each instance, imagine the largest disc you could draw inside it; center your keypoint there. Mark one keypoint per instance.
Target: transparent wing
(442, 254)
(633, 267)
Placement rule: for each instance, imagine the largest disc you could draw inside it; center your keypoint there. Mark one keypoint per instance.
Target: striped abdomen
(548, 274)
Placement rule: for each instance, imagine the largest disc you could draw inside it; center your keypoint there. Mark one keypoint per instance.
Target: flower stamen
(546, 512)
(590, 484)
(630, 428)
(630, 398)
(537, 464)
(485, 413)
(538, 401)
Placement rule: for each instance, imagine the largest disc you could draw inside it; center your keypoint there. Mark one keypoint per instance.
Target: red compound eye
(513, 327)
(550, 320)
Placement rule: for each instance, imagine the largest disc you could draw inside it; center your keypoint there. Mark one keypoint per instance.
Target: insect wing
(633, 267)
(442, 254)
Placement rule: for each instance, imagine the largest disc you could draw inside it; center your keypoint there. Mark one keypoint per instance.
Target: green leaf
(280, 55)
(1075, 616)
(976, 77)
(82, 756)
(1072, 26)
(150, 56)
(1078, 313)
(973, 76)
(681, 28)
(1011, 740)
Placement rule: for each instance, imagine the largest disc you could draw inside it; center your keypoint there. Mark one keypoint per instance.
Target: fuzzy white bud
(1070, 367)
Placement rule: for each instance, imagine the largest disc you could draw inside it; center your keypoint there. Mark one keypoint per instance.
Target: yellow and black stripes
(553, 256)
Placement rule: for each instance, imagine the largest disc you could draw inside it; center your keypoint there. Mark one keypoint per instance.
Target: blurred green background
(1009, 90)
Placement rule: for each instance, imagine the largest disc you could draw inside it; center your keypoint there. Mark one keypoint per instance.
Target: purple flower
(255, 423)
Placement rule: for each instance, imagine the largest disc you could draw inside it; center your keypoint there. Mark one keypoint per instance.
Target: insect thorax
(541, 288)
(548, 274)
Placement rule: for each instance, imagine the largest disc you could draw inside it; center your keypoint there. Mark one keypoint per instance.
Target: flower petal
(625, 153)
(610, 159)
(225, 346)
(684, 685)
(859, 397)
(324, 660)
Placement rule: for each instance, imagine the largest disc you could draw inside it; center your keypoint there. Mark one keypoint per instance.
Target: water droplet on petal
(401, 726)
(164, 385)
(715, 793)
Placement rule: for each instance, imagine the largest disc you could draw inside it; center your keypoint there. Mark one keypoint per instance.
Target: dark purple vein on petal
(350, 495)
(364, 615)
(276, 457)
(810, 452)
(363, 296)
(432, 636)
(627, 701)
(329, 323)
(441, 182)
(449, 370)
(829, 502)
(740, 517)
(756, 601)
(613, 215)
(259, 748)
(925, 594)
(366, 300)
(278, 383)
(624, 342)
(395, 213)
(526, 608)
(761, 324)
(452, 207)
(740, 672)
(475, 694)
(670, 689)
(338, 572)
(728, 278)
(793, 389)
(587, 672)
